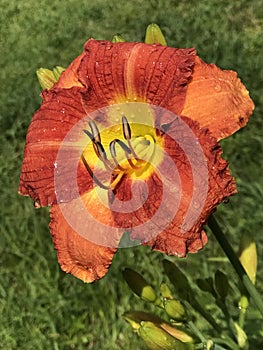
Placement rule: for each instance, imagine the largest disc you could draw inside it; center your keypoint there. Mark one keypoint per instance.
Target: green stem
(229, 342)
(242, 316)
(227, 248)
(207, 316)
(196, 331)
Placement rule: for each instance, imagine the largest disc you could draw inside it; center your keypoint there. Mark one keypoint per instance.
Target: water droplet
(218, 88)
(196, 205)
(37, 204)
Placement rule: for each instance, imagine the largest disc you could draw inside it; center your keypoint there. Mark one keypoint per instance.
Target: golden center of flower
(127, 155)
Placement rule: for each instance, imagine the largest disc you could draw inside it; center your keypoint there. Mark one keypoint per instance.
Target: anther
(127, 135)
(126, 128)
(89, 134)
(95, 131)
(101, 150)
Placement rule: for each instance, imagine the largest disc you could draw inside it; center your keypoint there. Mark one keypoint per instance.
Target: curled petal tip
(154, 35)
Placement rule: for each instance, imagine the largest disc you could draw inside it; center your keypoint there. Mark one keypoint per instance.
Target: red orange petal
(217, 100)
(118, 72)
(60, 111)
(69, 77)
(77, 254)
(220, 185)
(186, 201)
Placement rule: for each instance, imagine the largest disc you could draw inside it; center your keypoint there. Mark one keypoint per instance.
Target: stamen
(114, 155)
(123, 146)
(93, 176)
(126, 128)
(128, 151)
(95, 131)
(127, 135)
(130, 154)
(98, 182)
(90, 135)
(103, 155)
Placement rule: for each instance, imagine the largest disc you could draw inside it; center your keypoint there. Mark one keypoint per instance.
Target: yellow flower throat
(128, 155)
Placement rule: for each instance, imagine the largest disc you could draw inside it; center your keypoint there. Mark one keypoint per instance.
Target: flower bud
(206, 285)
(154, 35)
(139, 285)
(135, 318)
(176, 310)
(248, 255)
(117, 38)
(57, 71)
(221, 284)
(165, 291)
(243, 302)
(46, 78)
(241, 337)
(158, 339)
(179, 281)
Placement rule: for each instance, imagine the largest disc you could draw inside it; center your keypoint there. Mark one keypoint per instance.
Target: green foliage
(42, 307)
(182, 310)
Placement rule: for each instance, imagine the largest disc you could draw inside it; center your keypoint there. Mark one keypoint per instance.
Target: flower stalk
(228, 250)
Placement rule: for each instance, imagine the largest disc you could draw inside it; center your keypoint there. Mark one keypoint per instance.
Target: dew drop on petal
(37, 204)
(217, 88)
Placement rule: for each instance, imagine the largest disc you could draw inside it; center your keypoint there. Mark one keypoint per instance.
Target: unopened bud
(139, 285)
(179, 281)
(241, 337)
(175, 309)
(243, 302)
(221, 284)
(46, 78)
(117, 38)
(58, 71)
(165, 291)
(136, 317)
(158, 339)
(178, 333)
(154, 35)
(248, 255)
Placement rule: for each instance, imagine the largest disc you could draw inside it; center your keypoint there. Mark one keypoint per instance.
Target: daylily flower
(121, 118)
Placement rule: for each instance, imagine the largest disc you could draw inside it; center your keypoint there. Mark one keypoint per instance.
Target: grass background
(40, 306)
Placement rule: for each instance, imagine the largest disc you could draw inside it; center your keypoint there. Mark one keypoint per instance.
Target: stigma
(130, 156)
